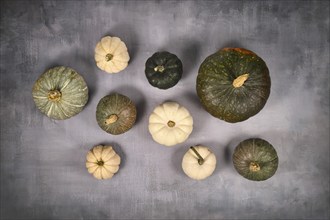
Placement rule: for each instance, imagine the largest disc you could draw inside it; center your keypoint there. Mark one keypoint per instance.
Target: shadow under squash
(176, 159)
(190, 57)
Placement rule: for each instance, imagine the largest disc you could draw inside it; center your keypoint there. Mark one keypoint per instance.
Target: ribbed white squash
(170, 124)
(200, 166)
(111, 54)
(102, 161)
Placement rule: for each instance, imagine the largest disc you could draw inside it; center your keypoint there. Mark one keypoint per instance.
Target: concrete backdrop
(43, 174)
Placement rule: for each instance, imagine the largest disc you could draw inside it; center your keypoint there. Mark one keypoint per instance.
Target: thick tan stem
(239, 81)
(254, 167)
(112, 119)
(54, 95)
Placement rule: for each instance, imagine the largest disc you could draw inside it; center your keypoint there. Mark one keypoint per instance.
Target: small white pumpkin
(102, 161)
(199, 162)
(111, 54)
(170, 124)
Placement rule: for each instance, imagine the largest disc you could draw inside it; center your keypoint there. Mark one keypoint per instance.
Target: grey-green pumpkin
(233, 84)
(255, 159)
(115, 113)
(60, 93)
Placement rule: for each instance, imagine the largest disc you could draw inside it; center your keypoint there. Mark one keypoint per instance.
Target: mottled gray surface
(43, 174)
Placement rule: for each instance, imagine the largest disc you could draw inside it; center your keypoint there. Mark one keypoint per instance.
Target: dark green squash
(233, 84)
(60, 93)
(115, 113)
(255, 159)
(163, 70)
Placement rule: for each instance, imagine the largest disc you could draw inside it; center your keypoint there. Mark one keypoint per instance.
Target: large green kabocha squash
(60, 93)
(255, 159)
(163, 70)
(233, 84)
(116, 113)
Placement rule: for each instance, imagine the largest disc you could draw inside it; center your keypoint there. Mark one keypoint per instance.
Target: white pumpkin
(170, 124)
(103, 162)
(199, 162)
(111, 54)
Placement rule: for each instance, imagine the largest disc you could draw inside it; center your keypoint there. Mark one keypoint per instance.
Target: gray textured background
(43, 174)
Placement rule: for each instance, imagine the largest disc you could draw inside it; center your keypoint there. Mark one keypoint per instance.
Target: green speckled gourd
(115, 113)
(233, 84)
(163, 70)
(255, 159)
(60, 93)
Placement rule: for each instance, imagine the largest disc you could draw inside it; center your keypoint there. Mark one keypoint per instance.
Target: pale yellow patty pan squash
(111, 54)
(103, 162)
(170, 124)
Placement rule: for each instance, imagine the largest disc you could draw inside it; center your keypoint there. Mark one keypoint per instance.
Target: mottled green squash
(60, 93)
(163, 70)
(233, 84)
(255, 159)
(115, 113)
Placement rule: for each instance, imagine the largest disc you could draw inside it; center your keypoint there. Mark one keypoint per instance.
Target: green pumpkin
(115, 113)
(255, 159)
(60, 93)
(233, 84)
(163, 70)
